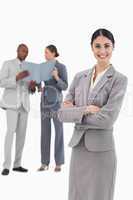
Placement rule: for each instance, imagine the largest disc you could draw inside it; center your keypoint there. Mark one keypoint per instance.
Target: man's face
(22, 52)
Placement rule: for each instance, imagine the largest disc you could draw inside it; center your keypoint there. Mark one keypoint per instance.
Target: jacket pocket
(99, 141)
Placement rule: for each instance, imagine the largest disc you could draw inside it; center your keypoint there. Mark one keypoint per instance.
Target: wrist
(57, 78)
(16, 78)
(87, 111)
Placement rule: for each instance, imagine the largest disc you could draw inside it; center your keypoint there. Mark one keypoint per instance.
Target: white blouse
(99, 76)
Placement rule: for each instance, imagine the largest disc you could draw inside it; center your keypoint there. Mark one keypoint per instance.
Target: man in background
(15, 101)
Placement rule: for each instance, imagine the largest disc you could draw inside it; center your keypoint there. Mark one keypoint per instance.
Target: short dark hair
(22, 45)
(52, 48)
(103, 32)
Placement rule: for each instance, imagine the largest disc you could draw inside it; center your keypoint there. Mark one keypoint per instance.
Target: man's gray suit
(93, 161)
(15, 101)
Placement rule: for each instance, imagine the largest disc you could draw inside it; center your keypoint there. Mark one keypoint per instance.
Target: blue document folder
(46, 69)
(39, 72)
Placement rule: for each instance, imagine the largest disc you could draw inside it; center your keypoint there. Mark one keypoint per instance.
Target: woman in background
(51, 100)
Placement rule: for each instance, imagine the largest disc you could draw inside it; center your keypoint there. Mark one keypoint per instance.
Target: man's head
(22, 52)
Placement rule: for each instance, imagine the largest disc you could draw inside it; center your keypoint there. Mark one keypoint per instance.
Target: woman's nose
(102, 50)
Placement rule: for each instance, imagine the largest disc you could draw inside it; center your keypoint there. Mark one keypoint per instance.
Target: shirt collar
(19, 61)
(101, 73)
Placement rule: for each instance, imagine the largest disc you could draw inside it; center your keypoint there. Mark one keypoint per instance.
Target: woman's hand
(42, 89)
(67, 104)
(92, 109)
(55, 74)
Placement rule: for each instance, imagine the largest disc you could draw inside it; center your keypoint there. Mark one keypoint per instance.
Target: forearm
(97, 121)
(62, 85)
(72, 114)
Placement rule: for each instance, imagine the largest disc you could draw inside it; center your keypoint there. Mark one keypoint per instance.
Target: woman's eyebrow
(104, 43)
(107, 43)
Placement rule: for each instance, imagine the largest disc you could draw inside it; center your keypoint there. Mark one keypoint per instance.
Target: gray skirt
(92, 174)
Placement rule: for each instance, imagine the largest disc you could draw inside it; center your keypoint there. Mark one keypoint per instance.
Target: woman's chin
(103, 61)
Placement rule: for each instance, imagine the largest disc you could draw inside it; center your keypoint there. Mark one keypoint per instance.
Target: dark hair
(22, 45)
(105, 33)
(53, 49)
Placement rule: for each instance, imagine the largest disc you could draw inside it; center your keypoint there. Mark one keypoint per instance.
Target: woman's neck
(101, 67)
(52, 59)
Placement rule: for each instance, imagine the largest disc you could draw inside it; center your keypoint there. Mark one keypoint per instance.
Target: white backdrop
(69, 25)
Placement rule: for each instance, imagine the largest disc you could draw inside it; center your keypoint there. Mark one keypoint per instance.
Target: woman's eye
(107, 46)
(98, 46)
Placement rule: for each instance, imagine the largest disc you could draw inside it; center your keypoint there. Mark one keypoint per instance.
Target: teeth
(102, 56)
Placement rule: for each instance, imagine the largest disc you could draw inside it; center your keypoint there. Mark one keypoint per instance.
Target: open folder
(39, 72)
(72, 114)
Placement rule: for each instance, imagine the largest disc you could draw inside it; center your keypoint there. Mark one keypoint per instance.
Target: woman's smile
(103, 56)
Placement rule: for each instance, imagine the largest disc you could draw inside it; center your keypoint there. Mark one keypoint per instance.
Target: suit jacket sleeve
(62, 83)
(71, 93)
(72, 115)
(105, 118)
(7, 81)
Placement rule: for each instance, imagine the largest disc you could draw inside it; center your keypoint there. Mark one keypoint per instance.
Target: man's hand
(32, 86)
(92, 109)
(22, 75)
(67, 104)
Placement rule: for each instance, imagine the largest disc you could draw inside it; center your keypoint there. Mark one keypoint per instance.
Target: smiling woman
(102, 44)
(102, 89)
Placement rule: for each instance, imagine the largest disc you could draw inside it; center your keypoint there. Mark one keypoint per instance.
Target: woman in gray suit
(93, 103)
(51, 100)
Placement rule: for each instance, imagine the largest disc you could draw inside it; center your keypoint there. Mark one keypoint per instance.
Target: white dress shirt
(20, 85)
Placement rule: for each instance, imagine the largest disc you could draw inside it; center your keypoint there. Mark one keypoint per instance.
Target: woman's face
(102, 48)
(48, 54)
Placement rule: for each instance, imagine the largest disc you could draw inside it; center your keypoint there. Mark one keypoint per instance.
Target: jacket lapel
(100, 84)
(85, 84)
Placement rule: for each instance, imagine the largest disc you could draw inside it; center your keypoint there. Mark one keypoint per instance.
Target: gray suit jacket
(108, 94)
(53, 89)
(14, 92)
